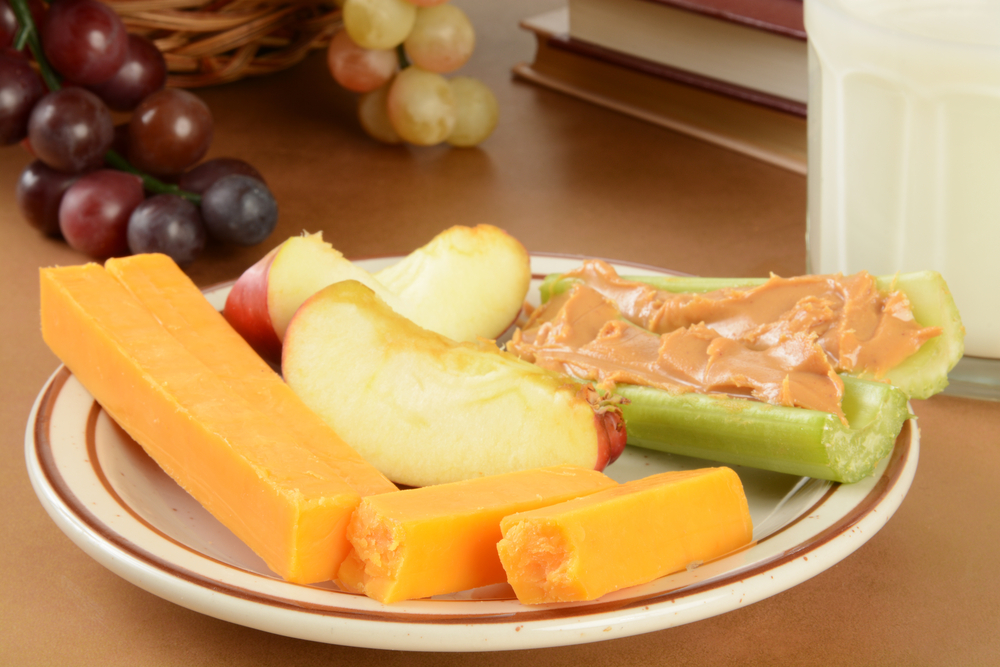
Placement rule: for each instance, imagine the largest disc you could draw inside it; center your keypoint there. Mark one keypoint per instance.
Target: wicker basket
(211, 42)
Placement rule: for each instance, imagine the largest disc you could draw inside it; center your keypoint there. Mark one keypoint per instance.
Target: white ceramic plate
(118, 506)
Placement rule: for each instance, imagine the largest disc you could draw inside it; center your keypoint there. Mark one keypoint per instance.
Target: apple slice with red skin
(425, 409)
(246, 309)
(466, 283)
(265, 297)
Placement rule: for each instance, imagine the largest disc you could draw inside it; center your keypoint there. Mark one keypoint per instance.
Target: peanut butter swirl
(860, 328)
(582, 333)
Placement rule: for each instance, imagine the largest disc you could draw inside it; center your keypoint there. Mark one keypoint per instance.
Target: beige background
(562, 177)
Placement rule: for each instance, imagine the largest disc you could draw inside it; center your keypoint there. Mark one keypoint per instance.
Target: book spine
(677, 75)
(783, 17)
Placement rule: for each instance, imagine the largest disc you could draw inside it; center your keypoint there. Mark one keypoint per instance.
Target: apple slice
(467, 283)
(425, 409)
(265, 297)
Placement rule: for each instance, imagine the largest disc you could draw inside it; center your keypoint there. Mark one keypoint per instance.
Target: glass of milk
(904, 147)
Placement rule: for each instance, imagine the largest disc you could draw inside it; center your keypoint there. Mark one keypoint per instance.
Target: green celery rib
(744, 432)
(926, 373)
(555, 283)
(920, 376)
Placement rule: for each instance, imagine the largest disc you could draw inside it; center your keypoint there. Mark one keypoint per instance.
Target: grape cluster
(113, 190)
(395, 53)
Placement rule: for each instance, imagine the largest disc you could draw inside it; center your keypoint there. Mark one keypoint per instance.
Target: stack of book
(732, 72)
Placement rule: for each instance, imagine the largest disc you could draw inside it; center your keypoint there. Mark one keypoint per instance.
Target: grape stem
(150, 183)
(404, 60)
(28, 35)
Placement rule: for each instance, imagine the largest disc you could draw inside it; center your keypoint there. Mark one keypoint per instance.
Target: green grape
(442, 39)
(374, 116)
(421, 106)
(477, 111)
(378, 24)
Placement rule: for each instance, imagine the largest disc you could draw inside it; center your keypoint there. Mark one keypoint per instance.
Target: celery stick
(790, 440)
(922, 375)
(925, 373)
(555, 283)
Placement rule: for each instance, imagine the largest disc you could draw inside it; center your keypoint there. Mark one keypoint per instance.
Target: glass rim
(847, 10)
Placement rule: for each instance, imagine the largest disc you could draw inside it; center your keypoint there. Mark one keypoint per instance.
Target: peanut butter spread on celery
(782, 342)
(860, 328)
(582, 333)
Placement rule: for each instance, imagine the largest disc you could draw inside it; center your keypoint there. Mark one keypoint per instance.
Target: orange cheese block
(628, 535)
(287, 504)
(160, 285)
(442, 539)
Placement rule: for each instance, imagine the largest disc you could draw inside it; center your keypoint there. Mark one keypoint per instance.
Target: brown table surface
(562, 176)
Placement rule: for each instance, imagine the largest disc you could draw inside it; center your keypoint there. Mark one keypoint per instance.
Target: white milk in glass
(904, 146)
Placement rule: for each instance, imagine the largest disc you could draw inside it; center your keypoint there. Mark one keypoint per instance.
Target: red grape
(168, 224)
(20, 89)
(94, 212)
(239, 209)
(119, 143)
(84, 40)
(169, 131)
(205, 174)
(39, 193)
(8, 24)
(71, 130)
(143, 73)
